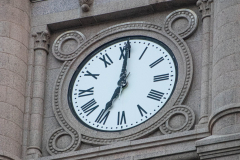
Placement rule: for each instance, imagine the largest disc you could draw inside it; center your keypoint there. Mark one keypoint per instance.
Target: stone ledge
(62, 20)
(218, 146)
(166, 145)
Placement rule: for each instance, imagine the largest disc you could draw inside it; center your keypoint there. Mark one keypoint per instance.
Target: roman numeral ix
(123, 118)
(156, 95)
(88, 107)
(87, 92)
(106, 63)
(90, 74)
(161, 77)
(156, 62)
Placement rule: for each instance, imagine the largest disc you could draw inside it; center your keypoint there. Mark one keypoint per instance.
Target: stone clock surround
(219, 111)
(167, 35)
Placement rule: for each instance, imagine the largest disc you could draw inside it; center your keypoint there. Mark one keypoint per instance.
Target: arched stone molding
(79, 132)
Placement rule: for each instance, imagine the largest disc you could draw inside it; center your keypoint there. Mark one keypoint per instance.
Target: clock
(123, 83)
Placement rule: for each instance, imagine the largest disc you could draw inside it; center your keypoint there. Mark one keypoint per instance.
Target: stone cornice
(75, 18)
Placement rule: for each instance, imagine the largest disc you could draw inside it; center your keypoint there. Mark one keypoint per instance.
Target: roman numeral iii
(106, 63)
(155, 95)
(87, 92)
(121, 118)
(88, 107)
(161, 77)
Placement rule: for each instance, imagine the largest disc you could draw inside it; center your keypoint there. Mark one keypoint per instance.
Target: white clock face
(152, 76)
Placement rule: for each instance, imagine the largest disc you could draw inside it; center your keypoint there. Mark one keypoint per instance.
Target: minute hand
(122, 81)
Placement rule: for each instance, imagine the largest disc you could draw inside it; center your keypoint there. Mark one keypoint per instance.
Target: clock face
(151, 78)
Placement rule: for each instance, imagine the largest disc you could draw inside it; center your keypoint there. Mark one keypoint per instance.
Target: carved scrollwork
(100, 139)
(181, 15)
(65, 46)
(178, 119)
(66, 128)
(54, 138)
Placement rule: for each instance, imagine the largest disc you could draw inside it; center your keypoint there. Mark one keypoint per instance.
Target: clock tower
(119, 79)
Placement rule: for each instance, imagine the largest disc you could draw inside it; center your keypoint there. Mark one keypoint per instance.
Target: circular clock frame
(148, 42)
(60, 100)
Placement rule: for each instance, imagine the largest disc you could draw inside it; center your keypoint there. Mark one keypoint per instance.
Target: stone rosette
(71, 40)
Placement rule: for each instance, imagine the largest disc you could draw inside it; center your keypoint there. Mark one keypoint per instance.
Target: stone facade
(42, 42)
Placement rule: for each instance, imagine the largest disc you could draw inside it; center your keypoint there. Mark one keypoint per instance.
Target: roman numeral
(143, 53)
(141, 110)
(102, 118)
(122, 53)
(90, 74)
(156, 62)
(161, 77)
(123, 118)
(106, 63)
(87, 107)
(156, 95)
(87, 92)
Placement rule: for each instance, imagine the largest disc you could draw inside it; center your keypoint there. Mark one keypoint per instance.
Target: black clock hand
(114, 96)
(123, 76)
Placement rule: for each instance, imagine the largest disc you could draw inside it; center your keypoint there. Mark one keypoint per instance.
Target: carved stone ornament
(166, 118)
(65, 46)
(41, 40)
(204, 7)
(178, 119)
(85, 4)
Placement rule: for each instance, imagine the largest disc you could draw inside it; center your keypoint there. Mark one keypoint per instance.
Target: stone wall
(14, 39)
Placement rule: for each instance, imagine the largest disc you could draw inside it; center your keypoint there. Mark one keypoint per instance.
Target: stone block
(17, 66)
(5, 111)
(19, 33)
(4, 29)
(38, 91)
(39, 74)
(40, 58)
(3, 93)
(17, 48)
(37, 104)
(13, 131)
(15, 98)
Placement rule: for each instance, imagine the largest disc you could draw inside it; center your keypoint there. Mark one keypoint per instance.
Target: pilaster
(224, 121)
(205, 9)
(36, 121)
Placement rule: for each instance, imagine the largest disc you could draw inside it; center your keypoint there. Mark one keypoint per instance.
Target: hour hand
(114, 96)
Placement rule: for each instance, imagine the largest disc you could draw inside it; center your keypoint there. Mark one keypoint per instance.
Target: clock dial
(112, 92)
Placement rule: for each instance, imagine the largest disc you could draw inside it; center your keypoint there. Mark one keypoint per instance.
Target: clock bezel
(105, 45)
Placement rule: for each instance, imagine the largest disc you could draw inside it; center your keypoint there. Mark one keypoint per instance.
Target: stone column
(39, 77)
(224, 122)
(14, 37)
(205, 9)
